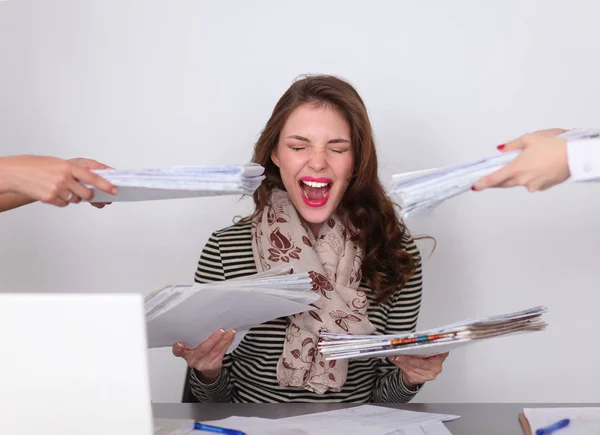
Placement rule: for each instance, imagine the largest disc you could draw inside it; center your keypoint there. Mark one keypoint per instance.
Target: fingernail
(234, 331)
(473, 188)
(114, 190)
(501, 147)
(222, 330)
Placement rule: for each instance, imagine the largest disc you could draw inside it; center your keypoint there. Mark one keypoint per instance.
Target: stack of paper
(427, 189)
(358, 420)
(191, 313)
(424, 190)
(180, 182)
(432, 341)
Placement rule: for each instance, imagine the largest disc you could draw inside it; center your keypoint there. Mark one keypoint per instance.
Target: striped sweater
(249, 372)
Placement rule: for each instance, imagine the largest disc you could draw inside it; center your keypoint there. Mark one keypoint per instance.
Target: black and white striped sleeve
(210, 269)
(402, 318)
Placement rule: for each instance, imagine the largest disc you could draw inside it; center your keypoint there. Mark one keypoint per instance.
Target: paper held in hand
(432, 341)
(425, 190)
(191, 313)
(180, 182)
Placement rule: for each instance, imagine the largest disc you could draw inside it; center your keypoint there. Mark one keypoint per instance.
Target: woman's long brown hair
(365, 209)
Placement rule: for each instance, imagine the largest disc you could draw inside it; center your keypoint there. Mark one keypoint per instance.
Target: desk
(475, 419)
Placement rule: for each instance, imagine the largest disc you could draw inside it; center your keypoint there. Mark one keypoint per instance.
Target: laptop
(73, 364)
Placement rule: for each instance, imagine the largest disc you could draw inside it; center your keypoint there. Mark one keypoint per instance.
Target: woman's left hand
(417, 370)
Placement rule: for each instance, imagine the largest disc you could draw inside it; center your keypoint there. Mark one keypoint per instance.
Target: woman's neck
(314, 228)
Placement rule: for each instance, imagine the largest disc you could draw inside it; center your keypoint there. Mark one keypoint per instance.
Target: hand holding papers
(422, 190)
(192, 313)
(180, 182)
(428, 189)
(433, 341)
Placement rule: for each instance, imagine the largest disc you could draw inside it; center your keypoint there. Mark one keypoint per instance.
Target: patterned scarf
(334, 263)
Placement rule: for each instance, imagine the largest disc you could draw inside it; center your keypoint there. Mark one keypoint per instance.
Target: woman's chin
(312, 212)
(315, 216)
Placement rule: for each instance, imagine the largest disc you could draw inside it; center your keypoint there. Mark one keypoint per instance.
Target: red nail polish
(501, 147)
(473, 188)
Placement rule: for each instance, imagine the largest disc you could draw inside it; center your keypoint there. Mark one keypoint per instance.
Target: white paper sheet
(259, 426)
(192, 313)
(366, 419)
(205, 312)
(173, 426)
(584, 421)
(370, 419)
(180, 182)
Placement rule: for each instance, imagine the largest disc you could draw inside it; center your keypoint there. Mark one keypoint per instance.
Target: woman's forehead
(316, 120)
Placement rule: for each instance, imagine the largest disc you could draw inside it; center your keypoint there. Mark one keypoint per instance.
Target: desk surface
(475, 419)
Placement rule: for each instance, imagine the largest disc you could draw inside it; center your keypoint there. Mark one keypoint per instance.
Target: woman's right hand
(207, 358)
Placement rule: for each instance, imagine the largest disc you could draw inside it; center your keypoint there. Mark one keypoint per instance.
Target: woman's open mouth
(315, 191)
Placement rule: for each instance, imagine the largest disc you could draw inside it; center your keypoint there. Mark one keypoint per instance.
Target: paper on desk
(584, 421)
(259, 426)
(420, 191)
(372, 420)
(180, 182)
(360, 420)
(192, 313)
(173, 426)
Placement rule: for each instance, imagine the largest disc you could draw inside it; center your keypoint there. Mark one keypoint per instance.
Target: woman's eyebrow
(339, 140)
(295, 136)
(303, 139)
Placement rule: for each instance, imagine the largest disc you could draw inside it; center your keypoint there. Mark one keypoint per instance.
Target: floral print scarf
(334, 263)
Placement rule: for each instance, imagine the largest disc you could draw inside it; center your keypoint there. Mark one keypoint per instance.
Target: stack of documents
(180, 182)
(427, 189)
(358, 420)
(191, 313)
(432, 341)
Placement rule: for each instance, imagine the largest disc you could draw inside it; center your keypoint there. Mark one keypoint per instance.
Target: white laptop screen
(73, 364)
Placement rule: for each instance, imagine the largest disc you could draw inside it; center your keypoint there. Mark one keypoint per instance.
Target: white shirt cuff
(584, 159)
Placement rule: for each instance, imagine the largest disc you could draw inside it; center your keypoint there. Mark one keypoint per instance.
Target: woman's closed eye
(339, 150)
(297, 147)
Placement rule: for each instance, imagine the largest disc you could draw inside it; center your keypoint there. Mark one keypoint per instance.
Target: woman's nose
(317, 161)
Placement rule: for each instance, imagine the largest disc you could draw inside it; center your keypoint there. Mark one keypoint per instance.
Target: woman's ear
(275, 157)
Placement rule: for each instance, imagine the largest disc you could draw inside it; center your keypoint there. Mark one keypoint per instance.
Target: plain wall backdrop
(148, 83)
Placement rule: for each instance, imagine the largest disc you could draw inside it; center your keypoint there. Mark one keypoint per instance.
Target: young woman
(323, 207)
